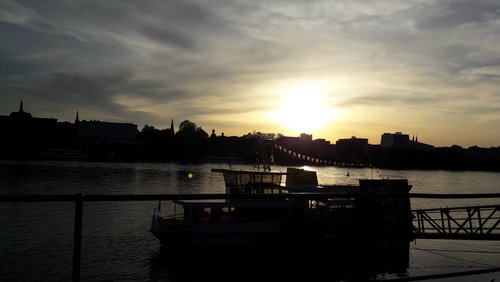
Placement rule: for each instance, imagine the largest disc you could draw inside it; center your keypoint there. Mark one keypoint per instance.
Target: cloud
(452, 14)
(219, 60)
(15, 14)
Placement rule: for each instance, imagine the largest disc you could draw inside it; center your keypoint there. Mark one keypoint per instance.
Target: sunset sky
(334, 69)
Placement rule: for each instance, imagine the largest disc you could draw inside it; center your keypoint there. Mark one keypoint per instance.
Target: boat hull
(178, 233)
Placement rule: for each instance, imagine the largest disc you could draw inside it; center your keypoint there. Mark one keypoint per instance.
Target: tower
(21, 110)
(77, 119)
(76, 128)
(21, 114)
(172, 126)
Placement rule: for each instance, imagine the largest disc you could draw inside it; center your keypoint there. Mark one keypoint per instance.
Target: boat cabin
(253, 182)
(231, 211)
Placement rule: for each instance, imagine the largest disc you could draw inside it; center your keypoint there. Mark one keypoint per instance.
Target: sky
(333, 69)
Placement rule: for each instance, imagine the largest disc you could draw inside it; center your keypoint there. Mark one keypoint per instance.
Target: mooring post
(77, 243)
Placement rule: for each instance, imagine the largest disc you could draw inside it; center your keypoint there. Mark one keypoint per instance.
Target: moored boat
(315, 217)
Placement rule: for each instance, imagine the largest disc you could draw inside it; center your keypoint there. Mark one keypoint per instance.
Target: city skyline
(126, 132)
(330, 69)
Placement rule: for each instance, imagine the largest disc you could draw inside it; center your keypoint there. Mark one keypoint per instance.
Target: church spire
(77, 119)
(21, 110)
(172, 125)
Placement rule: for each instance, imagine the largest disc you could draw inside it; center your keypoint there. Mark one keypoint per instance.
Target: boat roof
(223, 203)
(258, 172)
(346, 189)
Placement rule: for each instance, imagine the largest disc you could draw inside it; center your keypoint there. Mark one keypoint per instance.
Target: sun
(304, 109)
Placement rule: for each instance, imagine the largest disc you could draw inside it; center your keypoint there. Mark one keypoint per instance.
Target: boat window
(228, 209)
(207, 211)
(250, 181)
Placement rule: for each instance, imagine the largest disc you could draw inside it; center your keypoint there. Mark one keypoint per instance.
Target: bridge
(464, 223)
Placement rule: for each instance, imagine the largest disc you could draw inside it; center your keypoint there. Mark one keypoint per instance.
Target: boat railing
(259, 188)
(172, 217)
(175, 217)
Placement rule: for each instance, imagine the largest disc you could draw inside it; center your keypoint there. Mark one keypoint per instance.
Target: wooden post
(77, 243)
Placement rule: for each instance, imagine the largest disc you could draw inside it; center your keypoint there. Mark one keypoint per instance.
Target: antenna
(261, 157)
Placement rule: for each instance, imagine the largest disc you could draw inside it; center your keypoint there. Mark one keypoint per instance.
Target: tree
(191, 139)
(188, 126)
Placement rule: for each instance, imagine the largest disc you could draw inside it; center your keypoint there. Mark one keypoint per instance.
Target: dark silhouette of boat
(316, 219)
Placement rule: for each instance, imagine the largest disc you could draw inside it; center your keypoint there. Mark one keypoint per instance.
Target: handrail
(80, 198)
(155, 197)
(437, 210)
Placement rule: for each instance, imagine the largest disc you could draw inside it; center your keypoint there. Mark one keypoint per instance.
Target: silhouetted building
(304, 137)
(394, 140)
(107, 130)
(296, 150)
(213, 135)
(23, 123)
(400, 140)
(21, 114)
(352, 148)
(24, 135)
(321, 147)
(352, 142)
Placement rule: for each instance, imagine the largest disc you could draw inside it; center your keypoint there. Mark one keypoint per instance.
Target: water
(36, 239)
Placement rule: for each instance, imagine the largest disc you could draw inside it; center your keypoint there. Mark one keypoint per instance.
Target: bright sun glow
(304, 109)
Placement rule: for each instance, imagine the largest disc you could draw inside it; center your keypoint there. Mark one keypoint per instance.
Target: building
(22, 124)
(352, 142)
(395, 140)
(107, 130)
(352, 149)
(303, 149)
(400, 140)
(304, 137)
(25, 136)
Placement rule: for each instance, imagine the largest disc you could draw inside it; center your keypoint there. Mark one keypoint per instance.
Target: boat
(226, 221)
(303, 211)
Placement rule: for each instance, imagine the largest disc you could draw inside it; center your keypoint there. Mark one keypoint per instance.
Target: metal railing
(78, 199)
(470, 223)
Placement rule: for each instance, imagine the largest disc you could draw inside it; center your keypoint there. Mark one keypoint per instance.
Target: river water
(36, 239)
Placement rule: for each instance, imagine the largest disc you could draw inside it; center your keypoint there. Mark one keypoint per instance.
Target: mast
(261, 156)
